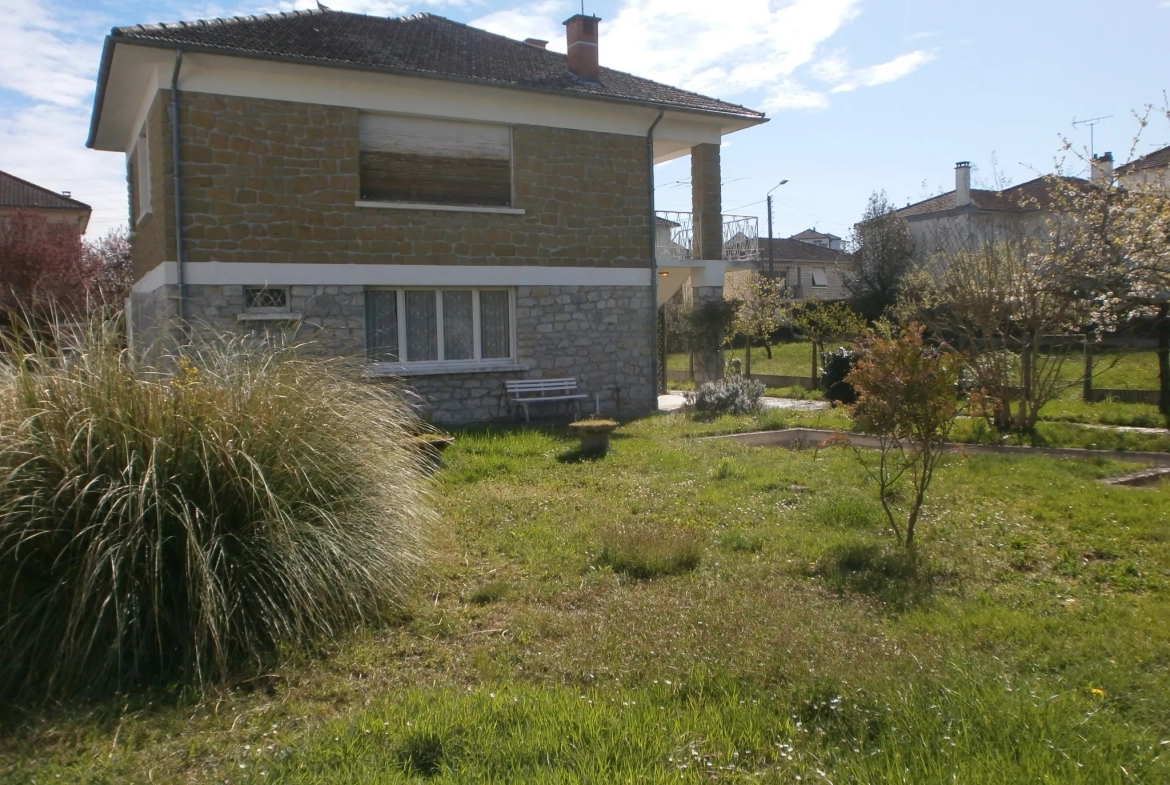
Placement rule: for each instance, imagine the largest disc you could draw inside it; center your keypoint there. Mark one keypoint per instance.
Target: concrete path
(673, 400)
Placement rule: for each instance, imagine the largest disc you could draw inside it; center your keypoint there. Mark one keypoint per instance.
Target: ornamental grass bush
(180, 527)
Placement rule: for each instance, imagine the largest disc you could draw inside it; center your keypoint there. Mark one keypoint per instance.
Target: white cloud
(791, 95)
(40, 55)
(536, 20)
(874, 75)
(721, 48)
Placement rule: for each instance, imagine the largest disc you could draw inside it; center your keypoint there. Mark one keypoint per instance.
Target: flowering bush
(730, 395)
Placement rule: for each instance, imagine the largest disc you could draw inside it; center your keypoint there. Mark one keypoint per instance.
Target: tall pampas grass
(179, 526)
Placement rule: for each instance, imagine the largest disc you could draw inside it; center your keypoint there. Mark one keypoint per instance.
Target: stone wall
(598, 335)
(276, 181)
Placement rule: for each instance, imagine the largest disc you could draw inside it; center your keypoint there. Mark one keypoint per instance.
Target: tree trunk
(1087, 388)
(747, 357)
(1024, 420)
(814, 365)
(1164, 361)
(768, 348)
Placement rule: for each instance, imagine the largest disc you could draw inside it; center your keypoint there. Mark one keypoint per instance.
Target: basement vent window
(439, 328)
(819, 278)
(264, 298)
(422, 161)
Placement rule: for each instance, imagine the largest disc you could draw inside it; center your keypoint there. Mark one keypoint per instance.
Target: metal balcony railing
(677, 237)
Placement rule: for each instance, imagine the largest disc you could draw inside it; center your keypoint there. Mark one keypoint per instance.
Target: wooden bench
(522, 392)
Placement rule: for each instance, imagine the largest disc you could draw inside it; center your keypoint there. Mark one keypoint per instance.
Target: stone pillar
(707, 281)
(706, 202)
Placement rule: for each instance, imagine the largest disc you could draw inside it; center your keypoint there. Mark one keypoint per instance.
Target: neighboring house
(454, 206)
(17, 194)
(823, 239)
(809, 271)
(966, 216)
(1149, 170)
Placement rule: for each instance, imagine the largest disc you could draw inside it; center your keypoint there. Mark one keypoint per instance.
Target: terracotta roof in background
(813, 234)
(789, 250)
(15, 192)
(419, 44)
(1155, 160)
(1032, 195)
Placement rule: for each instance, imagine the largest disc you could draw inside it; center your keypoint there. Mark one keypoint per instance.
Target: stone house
(810, 270)
(455, 207)
(17, 194)
(967, 216)
(823, 239)
(1151, 170)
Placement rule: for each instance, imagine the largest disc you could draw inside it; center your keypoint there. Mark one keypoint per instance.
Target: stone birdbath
(594, 434)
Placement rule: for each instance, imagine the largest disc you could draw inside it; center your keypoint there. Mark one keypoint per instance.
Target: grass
(1113, 370)
(1029, 644)
(185, 527)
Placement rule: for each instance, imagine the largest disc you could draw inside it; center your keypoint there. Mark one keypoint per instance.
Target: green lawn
(783, 639)
(1125, 371)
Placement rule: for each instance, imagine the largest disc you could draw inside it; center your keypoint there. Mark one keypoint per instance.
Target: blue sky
(863, 95)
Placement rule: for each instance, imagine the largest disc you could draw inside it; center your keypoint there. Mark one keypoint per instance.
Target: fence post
(1087, 389)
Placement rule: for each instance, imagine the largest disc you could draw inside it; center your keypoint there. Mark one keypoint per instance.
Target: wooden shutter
(407, 159)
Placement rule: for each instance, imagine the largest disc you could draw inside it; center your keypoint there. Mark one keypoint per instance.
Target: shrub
(730, 395)
(838, 364)
(906, 395)
(162, 528)
(646, 550)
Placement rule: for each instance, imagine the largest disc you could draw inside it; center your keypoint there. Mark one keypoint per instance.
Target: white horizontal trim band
(463, 275)
(437, 368)
(445, 208)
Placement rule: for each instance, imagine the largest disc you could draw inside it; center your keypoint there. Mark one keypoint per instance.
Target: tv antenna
(1091, 122)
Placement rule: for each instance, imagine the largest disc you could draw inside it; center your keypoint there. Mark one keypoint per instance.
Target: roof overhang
(132, 70)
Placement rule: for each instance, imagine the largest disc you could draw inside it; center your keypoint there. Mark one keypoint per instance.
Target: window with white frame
(456, 326)
(141, 177)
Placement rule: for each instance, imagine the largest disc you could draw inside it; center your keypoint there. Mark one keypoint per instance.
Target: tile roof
(813, 234)
(15, 192)
(1031, 195)
(1156, 160)
(419, 45)
(789, 250)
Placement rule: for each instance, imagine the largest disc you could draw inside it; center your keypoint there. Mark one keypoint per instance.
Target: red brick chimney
(582, 36)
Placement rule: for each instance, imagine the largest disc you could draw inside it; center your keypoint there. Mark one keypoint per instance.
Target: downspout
(176, 170)
(653, 257)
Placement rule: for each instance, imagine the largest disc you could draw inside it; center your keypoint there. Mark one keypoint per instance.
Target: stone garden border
(799, 438)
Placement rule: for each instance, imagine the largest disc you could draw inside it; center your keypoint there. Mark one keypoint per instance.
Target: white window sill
(437, 368)
(448, 208)
(270, 316)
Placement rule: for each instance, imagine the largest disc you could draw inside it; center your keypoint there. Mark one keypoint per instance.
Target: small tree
(822, 321)
(707, 326)
(1001, 299)
(107, 266)
(1114, 239)
(41, 264)
(760, 312)
(883, 250)
(906, 396)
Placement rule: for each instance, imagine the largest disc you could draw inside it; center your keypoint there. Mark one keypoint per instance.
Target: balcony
(676, 239)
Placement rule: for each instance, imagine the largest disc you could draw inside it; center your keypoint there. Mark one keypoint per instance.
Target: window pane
(382, 325)
(495, 338)
(422, 329)
(458, 342)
